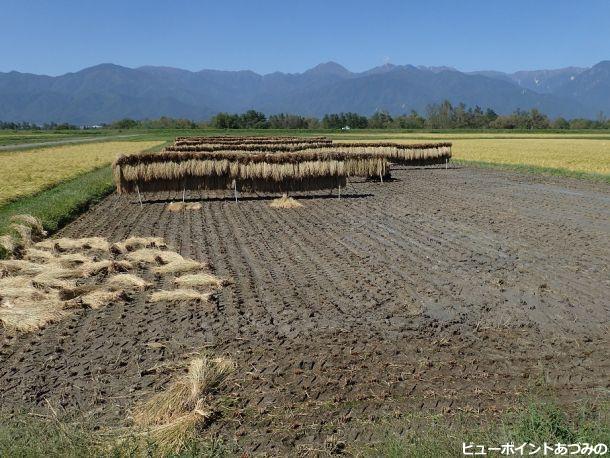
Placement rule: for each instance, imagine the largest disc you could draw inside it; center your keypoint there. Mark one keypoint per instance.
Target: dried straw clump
(178, 266)
(170, 418)
(170, 438)
(32, 222)
(24, 234)
(20, 267)
(40, 284)
(135, 243)
(102, 298)
(176, 207)
(9, 244)
(285, 202)
(23, 231)
(27, 314)
(202, 280)
(127, 282)
(68, 244)
(153, 256)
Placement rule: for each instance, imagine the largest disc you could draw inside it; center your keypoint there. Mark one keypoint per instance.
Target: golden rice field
(575, 155)
(585, 155)
(24, 173)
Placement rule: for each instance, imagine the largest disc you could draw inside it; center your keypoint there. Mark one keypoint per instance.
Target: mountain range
(108, 92)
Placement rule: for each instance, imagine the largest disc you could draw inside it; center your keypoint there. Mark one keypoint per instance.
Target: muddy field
(443, 291)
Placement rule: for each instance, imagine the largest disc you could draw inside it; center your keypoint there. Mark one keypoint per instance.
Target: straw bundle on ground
(48, 280)
(285, 202)
(258, 171)
(171, 417)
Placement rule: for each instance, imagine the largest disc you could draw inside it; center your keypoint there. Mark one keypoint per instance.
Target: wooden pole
(139, 196)
(339, 193)
(235, 189)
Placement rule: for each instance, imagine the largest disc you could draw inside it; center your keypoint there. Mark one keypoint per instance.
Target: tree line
(443, 115)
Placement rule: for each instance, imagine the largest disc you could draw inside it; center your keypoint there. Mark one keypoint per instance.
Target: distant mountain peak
(329, 68)
(385, 68)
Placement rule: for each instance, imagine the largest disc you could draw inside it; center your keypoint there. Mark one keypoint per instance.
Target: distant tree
(561, 123)
(538, 120)
(225, 121)
(340, 120)
(288, 121)
(354, 120)
(439, 116)
(380, 120)
(581, 123)
(411, 121)
(253, 119)
(125, 123)
(332, 121)
(490, 116)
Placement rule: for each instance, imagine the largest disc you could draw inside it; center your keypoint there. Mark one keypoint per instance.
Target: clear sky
(55, 37)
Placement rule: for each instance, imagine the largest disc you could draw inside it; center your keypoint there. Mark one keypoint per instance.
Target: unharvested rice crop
(582, 153)
(576, 155)
(24, 173)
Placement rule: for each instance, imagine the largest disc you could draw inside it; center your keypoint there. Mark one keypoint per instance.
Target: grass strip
(59, 205)
(536, 169)
(536, 422)
(28, 436)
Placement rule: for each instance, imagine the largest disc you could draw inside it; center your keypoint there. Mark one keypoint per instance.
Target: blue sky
(55, 37)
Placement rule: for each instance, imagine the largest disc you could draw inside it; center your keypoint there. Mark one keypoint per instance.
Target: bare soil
(443, 291)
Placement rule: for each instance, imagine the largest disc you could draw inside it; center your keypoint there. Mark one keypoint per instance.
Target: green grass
(535, 423)
(8, 137)
(59, 205)
(62, 203)
(25, 435)
(12, 137)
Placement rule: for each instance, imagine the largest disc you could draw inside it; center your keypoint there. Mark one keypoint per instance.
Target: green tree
(380, 120)
(561, 123)
(125, 123)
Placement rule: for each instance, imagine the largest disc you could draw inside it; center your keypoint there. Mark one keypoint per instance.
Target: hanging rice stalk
(404, 154)
(244, 170)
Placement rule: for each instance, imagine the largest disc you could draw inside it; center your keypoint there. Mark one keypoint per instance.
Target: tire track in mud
(320, 317)
(560, 280)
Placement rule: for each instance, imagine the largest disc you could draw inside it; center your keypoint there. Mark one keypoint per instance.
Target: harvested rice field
(445, 292)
